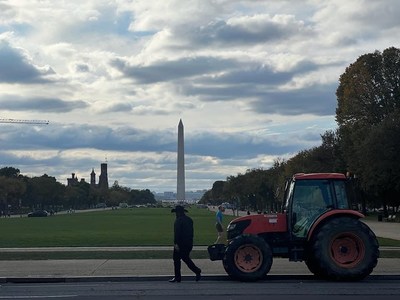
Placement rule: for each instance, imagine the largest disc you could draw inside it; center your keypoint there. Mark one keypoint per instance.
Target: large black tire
(247, 258)
(343, 249)
(313, 266)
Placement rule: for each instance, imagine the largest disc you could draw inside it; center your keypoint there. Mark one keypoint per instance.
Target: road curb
(165, 278)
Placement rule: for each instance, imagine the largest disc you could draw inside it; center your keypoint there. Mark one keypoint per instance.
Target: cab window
(310, 199)
(341, 195)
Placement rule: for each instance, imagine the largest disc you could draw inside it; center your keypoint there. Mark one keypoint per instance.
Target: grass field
(108, 228)
(122, 227)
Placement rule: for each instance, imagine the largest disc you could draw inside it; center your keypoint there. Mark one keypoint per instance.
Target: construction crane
(20, 121)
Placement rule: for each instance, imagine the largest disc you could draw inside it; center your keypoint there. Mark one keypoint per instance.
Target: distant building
(72, 181)
(93, 178)
(103, 178)
(169, 196)
(190, 196)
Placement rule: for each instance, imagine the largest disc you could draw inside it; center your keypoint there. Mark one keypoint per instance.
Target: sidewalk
(385, 229)
(146, 269)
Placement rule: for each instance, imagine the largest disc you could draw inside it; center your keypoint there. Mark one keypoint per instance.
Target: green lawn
(122, 227)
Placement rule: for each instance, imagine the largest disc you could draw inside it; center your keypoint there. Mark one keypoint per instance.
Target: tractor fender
(332, 214)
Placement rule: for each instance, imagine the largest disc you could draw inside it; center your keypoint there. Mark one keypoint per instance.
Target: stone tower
(103, 178)
(180, 190)
(93, 178)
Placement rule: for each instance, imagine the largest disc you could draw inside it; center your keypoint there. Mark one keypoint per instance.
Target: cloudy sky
(252, 80)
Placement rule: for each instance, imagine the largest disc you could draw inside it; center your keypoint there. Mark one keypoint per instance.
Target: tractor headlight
(231, 226)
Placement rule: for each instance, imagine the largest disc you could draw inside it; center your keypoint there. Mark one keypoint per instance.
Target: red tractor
(316, 225)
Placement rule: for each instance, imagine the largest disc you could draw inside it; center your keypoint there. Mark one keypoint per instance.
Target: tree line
(365, 144)
(20, 194)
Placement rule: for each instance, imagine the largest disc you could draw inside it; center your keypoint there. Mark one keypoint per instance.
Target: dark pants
(183, 254)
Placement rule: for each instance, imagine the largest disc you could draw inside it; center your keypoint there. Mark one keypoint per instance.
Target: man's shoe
(174, 280)
(198, 276)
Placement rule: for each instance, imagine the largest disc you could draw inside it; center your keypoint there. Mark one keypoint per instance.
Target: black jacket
(183, 231)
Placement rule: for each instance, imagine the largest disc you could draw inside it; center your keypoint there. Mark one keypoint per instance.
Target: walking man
(183, 244)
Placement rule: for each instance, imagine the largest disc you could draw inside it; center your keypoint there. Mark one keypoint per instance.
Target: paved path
(149, 268)
(390, 230)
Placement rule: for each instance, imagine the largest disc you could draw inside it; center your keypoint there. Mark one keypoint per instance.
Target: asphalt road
(376, 288)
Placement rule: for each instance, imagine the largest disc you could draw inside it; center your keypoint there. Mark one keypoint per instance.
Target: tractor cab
(309, 196)
(308, 200)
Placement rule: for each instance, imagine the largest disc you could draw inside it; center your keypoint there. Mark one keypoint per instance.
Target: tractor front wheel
(247, 258)
(344, 249)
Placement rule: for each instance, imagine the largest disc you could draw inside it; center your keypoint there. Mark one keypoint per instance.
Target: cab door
(310, 199)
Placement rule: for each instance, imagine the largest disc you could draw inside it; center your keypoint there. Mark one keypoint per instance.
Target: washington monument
(180, 190)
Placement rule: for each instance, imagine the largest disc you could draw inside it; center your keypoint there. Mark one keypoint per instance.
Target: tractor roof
(302, 176)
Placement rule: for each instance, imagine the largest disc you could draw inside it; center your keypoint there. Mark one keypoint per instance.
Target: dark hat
(179, 208)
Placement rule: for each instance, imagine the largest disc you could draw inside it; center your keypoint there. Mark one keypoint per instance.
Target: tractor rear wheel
(312, 265)
(344, 249)
(247, 258)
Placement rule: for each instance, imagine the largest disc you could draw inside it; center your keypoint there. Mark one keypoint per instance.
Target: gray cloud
(164, 71)
(117, 107)
(6, 11)
(221, 145)
(258, 29)
(18, 103)
(246, 82)
(261, 74)
(16, 68)
(385, 15)
(57, 136)
(317, 100)
(82, 68)
(235, 145)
